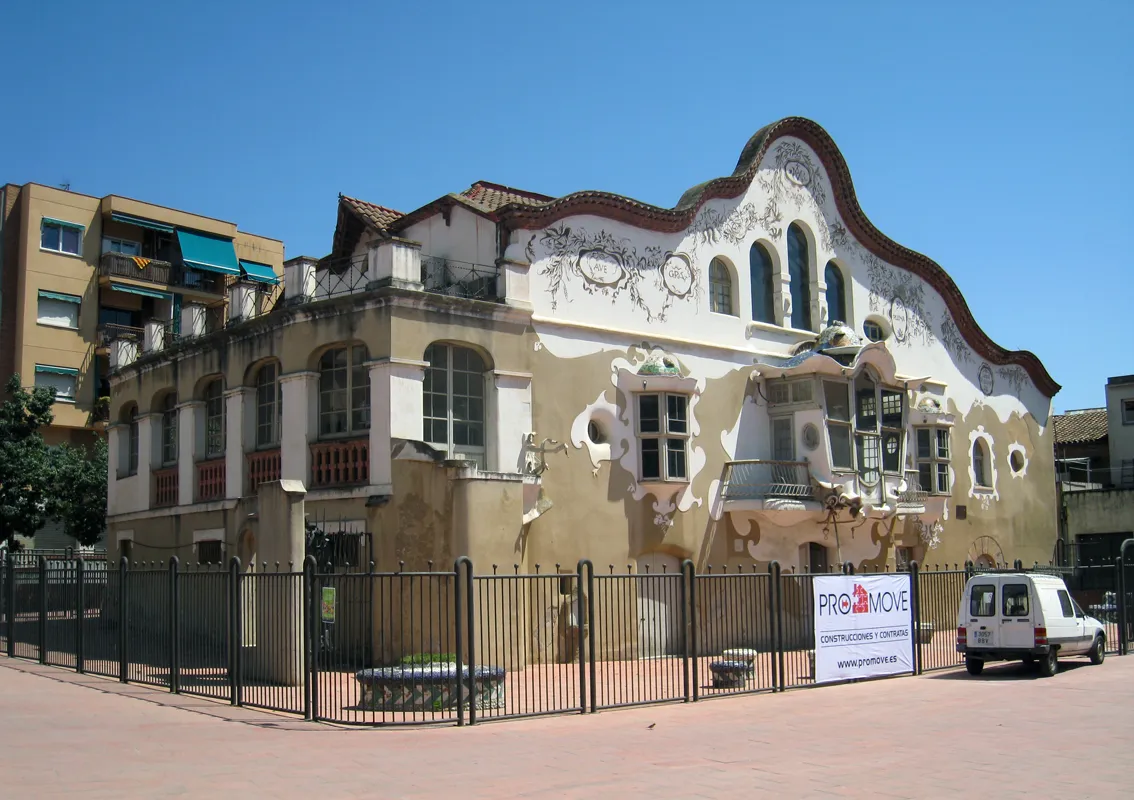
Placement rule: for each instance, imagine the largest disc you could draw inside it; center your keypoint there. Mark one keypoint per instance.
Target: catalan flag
(141, 262)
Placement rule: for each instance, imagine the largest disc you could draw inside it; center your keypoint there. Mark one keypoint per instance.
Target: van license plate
(982, 637)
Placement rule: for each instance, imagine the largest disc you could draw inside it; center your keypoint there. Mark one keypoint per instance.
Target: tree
(25, 468)
(79, 478)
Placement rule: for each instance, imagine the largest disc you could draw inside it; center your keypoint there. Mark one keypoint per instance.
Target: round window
(873, 331)
(594, 433)
(810, 436)
(1016, 461)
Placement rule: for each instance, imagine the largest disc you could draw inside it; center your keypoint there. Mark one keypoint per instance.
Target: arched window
(268, 405)
(130, 417)
(454, 400)
(836, 294)
(760, 268)
(214, 419)
(800, 276)
(720, 287)
(980, 464)
(169, 429)
(344, 391)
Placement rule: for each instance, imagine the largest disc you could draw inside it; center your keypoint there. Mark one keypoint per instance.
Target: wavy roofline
(680, 217)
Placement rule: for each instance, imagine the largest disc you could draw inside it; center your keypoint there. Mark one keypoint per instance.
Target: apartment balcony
(764, 480)
(264, 466)
(165, 487)
(912, 500)
(109, 332)
(460, 278)
(210, 480)
(160, 273)
(340, 463)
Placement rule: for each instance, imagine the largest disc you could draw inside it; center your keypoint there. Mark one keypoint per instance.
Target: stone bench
(730, 674)
(428, 687)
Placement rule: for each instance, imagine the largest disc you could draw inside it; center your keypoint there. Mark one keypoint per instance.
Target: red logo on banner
(861, 601)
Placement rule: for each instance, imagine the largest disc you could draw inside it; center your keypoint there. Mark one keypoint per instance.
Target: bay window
(868, 435)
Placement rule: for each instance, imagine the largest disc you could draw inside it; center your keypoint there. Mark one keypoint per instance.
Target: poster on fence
(862, 626)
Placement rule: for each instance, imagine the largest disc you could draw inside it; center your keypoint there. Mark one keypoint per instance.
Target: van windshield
(1015, 599)
(982, 600)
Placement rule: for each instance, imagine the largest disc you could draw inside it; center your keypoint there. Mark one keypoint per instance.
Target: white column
(149, 431)
(299, 279)
(296, 425)
(154, 338)
(395, 262)
(192, 320)
(114, 444)
(234, 400)
(187, 414)
(509, 417)
(395, 411)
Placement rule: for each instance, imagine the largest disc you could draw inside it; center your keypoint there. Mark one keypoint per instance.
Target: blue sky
(993, 137)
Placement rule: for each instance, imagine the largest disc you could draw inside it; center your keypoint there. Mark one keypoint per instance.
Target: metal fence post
(1018, 565)
(458, 617)
(581, 631)
(234, 676)
(848, 568)
(915, 615)
(10, 589)
(778, 614)
(592, 685)
(80, 613)
(688, 624)
(43, 609)
(174, 627)
(970, 570)
(1123, 611)
(772, 567)
(470, 613)
(123, 608)
(308, 603)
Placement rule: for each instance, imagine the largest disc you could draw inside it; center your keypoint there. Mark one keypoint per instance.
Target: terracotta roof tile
(378, 216)
(1088, 425)
(491, 196)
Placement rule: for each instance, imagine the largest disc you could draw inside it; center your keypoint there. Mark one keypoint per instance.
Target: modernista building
(757, 373)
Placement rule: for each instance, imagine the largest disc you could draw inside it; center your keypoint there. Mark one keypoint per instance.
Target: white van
(1024, 617)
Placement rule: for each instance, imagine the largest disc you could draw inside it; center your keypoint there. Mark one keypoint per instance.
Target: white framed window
(58, 310)
(867, 436)
(873, 331)
(169, 429)
(60, 236)
(836, 394)
(130, 419)
(663, 436)
(783, 439)
(1128, 412)
(720, 287)
(214, 419)
(453, 401)
(933, 459)
(62, 379)
(981, 464)
(269, 403)
(782, 393)
(344, 392)
(124, 246)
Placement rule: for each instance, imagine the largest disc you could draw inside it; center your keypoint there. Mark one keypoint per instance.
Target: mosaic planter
(431, 687)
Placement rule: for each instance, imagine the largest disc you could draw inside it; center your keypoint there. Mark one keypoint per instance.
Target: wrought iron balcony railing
(459, 278)
(763, 479)
(109, 331)
(914, 495)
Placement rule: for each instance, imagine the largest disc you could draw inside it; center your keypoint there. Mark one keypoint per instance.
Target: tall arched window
(760, 268)
(130, 417)
(214, 419)
(268, 405)
(169, 429)
(720, 287)
(980, 464)
(344, 391)
(454, 400)
(836, 294)
(800, 276)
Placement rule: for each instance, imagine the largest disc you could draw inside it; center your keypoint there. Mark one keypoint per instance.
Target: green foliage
(428, 658)
(25, 469)
(38, 483)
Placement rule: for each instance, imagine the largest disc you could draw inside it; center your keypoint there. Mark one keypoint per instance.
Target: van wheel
(1050, 663)
(1098, 650)
(974, 665)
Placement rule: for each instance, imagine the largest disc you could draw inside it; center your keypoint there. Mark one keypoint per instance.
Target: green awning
(56, 370)
(255, 271)
(65, 298)
(138, 290)
(130, 219)
(211, 253)
(64, 223)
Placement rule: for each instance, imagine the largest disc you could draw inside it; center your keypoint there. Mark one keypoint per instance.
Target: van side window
(1065, 603)
(1015, 599)
(982, 601)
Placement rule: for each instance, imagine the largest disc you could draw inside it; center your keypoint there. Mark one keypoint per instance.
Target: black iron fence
(454, 646)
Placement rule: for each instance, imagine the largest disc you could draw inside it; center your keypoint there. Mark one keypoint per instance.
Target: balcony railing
(109, 331)
(914, 495)
(459, 278)
(335, 277)
(762, 480)
(263, 467)
(210, 480)
(165, 487)
(344, 463)
(162, 273)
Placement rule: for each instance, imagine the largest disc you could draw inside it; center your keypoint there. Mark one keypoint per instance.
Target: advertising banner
(327, 606)
(862, 626)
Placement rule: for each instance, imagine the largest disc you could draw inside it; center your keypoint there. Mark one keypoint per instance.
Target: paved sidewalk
(1006, 734)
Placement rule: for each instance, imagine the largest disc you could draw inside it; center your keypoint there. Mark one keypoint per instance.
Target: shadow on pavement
(1007, 671)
